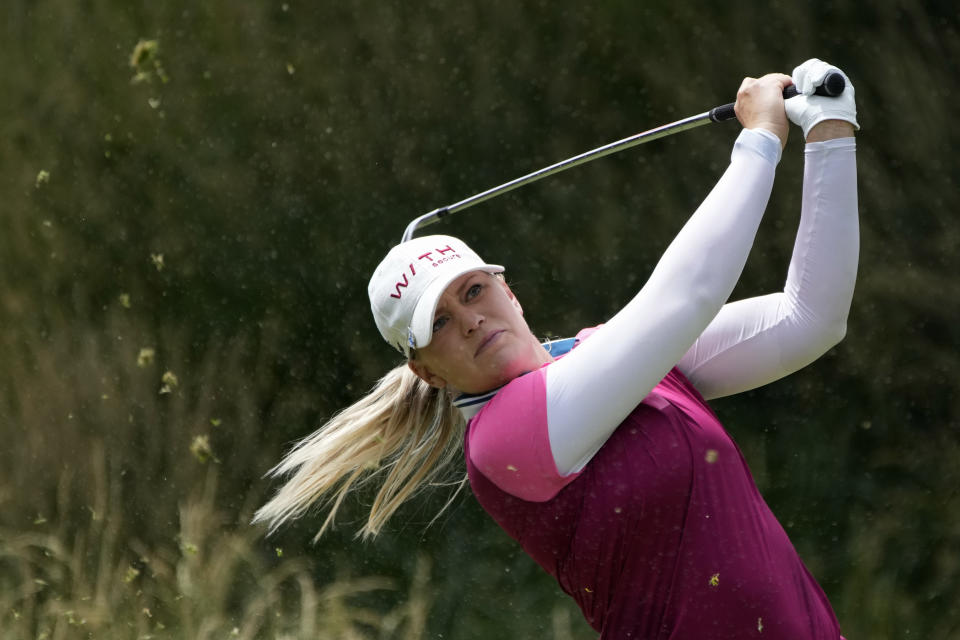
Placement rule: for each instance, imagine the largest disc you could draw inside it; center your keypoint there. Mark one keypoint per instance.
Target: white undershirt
(679, 317)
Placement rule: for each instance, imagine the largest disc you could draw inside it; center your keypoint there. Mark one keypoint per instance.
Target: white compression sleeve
(593, 388)
(756, 341)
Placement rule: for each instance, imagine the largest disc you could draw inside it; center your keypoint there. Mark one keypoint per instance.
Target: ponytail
(403, 428)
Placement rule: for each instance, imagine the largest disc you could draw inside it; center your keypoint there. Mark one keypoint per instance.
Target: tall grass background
(122, 528)
(192, 196)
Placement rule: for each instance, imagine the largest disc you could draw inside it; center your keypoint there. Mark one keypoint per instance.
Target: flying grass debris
(201, 449)
(169, 382)
(145, 357)
(146, 63)
(43, 177)
(143, 52)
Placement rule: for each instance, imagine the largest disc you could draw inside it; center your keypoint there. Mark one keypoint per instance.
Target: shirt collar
(471, 404)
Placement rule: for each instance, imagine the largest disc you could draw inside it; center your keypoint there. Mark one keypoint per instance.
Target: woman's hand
(822, 118)
(760, 104)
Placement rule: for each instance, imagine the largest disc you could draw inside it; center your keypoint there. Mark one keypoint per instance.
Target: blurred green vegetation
(202, 189)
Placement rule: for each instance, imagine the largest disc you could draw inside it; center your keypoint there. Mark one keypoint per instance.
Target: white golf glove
(807, 109)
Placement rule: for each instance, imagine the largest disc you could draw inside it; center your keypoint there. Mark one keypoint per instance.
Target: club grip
(832, 86)
(723, 113)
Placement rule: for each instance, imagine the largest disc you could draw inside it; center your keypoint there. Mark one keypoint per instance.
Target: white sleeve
(756, 341)
(593, 389)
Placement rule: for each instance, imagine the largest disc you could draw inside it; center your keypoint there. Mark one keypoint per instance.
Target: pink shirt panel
(510, 440)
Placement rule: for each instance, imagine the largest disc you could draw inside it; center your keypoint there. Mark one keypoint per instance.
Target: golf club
(833, 85)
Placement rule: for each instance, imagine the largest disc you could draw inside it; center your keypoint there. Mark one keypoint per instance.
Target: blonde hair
(403, 428)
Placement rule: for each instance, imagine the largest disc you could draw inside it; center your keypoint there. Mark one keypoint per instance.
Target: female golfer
(599, 454)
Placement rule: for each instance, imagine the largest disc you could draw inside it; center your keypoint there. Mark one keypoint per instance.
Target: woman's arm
(756, 341)
(591, 390)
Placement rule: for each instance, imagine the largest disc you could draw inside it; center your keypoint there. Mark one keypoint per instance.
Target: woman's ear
(426, 375)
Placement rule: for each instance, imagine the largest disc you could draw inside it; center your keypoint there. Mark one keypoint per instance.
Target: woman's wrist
(829, 130)
(762, 142)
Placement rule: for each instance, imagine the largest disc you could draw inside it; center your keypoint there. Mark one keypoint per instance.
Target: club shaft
(613, 147)
(831, 85)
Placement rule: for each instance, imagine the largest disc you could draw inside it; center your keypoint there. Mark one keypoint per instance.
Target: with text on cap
(407, 284)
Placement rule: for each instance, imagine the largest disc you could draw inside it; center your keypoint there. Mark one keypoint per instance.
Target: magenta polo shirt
(662, 535)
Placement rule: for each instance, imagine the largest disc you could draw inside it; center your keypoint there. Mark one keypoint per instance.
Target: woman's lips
(489, 338)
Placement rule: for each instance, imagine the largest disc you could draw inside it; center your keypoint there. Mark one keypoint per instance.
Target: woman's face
(480, 339)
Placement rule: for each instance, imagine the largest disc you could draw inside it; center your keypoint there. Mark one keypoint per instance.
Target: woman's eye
(438, 323)
(474, 291)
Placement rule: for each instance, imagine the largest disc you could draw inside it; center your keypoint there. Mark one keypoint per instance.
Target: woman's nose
(471, 321)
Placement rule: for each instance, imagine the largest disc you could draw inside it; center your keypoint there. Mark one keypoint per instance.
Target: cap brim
(421, 325)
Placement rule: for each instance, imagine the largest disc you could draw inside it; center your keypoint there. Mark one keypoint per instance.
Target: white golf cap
(408, 283)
